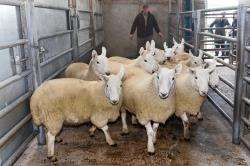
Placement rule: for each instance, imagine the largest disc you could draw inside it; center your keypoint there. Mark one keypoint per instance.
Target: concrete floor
(210, 144)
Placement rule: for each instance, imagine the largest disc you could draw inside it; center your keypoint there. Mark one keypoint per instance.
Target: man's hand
(131, 36)
(160, 34)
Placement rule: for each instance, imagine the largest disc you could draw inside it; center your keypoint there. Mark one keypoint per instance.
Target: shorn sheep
(73, 101)
(98, 65)
(151, 98)
(191, 91)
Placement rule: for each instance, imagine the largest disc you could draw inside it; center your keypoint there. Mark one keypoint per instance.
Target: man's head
(223, 14)
(145, 8)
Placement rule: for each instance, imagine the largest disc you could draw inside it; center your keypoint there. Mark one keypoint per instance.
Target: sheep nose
(164, 95)
(168, 58)
(114, 102)
(153, 71)
(203, 93)
(107, 73)
(164, 61)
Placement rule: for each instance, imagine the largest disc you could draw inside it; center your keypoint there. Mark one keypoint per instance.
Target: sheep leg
(199, 116)
(92, 131)
(186, 126)
(134, 120)
(155, 128)
(50, 146)
(124, 122)
(107, 136)
(150, 133)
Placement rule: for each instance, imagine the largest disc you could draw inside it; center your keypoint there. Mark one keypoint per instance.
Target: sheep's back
(76, 70)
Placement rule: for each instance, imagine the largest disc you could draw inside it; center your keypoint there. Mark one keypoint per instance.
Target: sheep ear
(152, 44)
(141, 51)
(104, 51)
(192, 71)
(103, 77)
(178, 69)
(94, 54)
(182, 41)
(121, 73)
(148, 45)
(165, 46)
(211, 67)
(200, 54)
(190, 53)
(174, 41)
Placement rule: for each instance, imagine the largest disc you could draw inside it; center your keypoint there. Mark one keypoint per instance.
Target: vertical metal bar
(197, 29)
(169, 5)
(239, 74)
(178, 21)
(34, 53)
(74, 26)
(12, 61)
(92, 23)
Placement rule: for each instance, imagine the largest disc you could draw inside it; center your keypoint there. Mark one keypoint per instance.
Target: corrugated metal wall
(38, 40)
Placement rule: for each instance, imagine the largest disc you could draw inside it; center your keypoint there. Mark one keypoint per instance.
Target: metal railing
(237, 44)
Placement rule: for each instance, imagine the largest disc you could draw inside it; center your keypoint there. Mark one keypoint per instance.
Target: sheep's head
(113, 86)
(200, 79)
(214, 76)
(164, 80)
(100, 62)
(168, 52)
(195, 61)
(147, 61)
(178, 48)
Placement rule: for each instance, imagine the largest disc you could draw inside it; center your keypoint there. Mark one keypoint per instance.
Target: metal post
(239, 74)
(74, 20)
(197, 29)
(92, 24)
(34, 53)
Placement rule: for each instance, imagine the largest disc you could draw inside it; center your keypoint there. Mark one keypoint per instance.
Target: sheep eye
(145, 60)
(107, 86)
(158, 77)
(121, 85)
(195, 62)
(97, 62)
(196, 78)
(173, 78)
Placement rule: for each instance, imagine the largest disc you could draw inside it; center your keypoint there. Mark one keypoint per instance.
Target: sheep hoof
(151, 153)
(52, 158)
(114, 145)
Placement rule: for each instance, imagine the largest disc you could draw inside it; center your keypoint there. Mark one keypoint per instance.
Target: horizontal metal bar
(248, 48)
(223, 96)
(85, 42)
(14, 78)
(172, 12)
(55, 34)
(187, 12)
(10, 2)
(217, 49)
(229, 119)
(186, 29)
(220, 61)
(14, 104)
(57, 72)
(220, 9)
(246, 121)
(219, 14)
(189, 45)
(82, 54)
(246, 100)
(41, 5)
(227, 82)
(13, 131)
(55, 57)
(219, 28)
(219, 37)
(84, 28)
(245, 142)
(83, 11)
(247, 79)
(13, 44)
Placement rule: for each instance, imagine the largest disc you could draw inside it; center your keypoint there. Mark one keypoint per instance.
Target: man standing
(220, 24)
(145, 23)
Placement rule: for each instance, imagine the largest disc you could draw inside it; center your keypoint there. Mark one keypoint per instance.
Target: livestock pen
(39, 39)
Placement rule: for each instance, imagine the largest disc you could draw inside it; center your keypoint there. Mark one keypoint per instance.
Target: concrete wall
(118, 18)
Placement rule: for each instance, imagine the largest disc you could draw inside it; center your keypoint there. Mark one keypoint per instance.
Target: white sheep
(73, 102)
(151, 98)
(191, 91)
(178, 47)
(98, 65)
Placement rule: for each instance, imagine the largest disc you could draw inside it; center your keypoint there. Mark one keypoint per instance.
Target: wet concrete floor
(210, 144)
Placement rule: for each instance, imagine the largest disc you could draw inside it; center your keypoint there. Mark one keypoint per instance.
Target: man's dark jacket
(142, 29)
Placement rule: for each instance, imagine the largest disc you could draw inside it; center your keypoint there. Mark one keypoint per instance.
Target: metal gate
(38, 40)
(235, 108)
